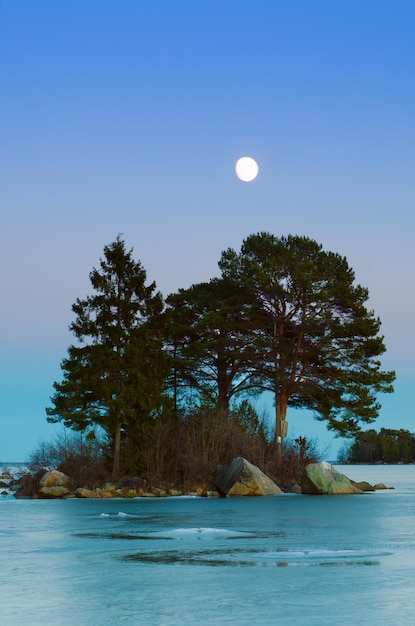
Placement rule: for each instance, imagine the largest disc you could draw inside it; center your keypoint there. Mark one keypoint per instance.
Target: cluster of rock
(238, 478)
(135, 487)
(241, 478)
(56, 484)
(6, 479)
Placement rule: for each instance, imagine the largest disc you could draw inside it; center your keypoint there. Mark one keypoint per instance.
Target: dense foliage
(208, 334)
(385, 446)
(316, 344)
(115, 375)
(170, 388)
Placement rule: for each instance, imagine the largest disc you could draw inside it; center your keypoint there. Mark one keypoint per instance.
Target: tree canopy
(317, 345)
(285, 317)
(210, 341)
(115, 374)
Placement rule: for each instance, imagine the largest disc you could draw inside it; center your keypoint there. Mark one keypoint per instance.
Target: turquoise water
(279, 560)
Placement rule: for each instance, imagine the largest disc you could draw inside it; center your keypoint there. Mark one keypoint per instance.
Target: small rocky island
(238, 478)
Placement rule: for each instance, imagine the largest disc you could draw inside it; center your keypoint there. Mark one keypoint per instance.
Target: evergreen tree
(386, 446)
(115, 374)
(317, 345)
(210, 341)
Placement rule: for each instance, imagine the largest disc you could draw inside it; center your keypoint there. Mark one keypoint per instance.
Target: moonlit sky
(126, 116)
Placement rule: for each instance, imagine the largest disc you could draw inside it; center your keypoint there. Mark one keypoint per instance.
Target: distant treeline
(385, 446)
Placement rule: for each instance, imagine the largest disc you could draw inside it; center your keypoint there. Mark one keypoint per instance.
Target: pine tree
(209, 341)
(317, 345)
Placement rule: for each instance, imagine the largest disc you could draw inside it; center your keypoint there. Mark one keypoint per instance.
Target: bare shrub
(182, 450)
(187, 449)
(296, 454)
(80, 456)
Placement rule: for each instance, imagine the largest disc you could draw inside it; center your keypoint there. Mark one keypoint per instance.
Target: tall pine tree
(210, 341)
(317, 345)
(115, 373)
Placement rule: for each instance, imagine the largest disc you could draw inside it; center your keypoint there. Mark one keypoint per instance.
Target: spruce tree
(115, 373)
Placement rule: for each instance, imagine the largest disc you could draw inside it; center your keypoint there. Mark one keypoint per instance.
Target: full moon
(246, 169)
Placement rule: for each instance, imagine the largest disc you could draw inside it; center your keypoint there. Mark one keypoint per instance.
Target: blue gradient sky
(128, 116)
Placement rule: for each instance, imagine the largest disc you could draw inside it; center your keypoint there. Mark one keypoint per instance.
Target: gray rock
(132, 482)
(323, 479)
(241, 478)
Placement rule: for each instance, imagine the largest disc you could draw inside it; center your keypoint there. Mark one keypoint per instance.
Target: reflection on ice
(321, 555)
(245, 558)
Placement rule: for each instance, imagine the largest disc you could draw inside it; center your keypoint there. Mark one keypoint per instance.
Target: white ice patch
(198, 533)
(320, 555)
(120, 514)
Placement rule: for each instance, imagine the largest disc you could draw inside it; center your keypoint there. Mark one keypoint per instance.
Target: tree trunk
(116, 459)
(223, 403)
(222, 378)
(280, 415)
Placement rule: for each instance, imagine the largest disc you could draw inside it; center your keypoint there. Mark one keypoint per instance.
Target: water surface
(287, 559)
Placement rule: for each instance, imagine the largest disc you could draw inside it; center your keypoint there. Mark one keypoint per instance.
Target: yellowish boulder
(242, 478)
(55, 484)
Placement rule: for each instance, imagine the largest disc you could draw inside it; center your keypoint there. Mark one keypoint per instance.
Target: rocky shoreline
(238, 478)
(56, 484)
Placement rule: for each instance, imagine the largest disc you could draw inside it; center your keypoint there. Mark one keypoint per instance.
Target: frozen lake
(287, 559)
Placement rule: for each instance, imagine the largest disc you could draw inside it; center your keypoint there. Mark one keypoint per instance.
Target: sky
(127, 117)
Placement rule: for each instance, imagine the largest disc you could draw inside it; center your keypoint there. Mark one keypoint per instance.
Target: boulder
(130, 493)
(54, 492)
(133, 482)
(55, 484)
(82, 492)
(109, 487)
(212, 493)
(160, 492)
(105, 493)
(323, 479)
(241, 478)
(363, 485)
